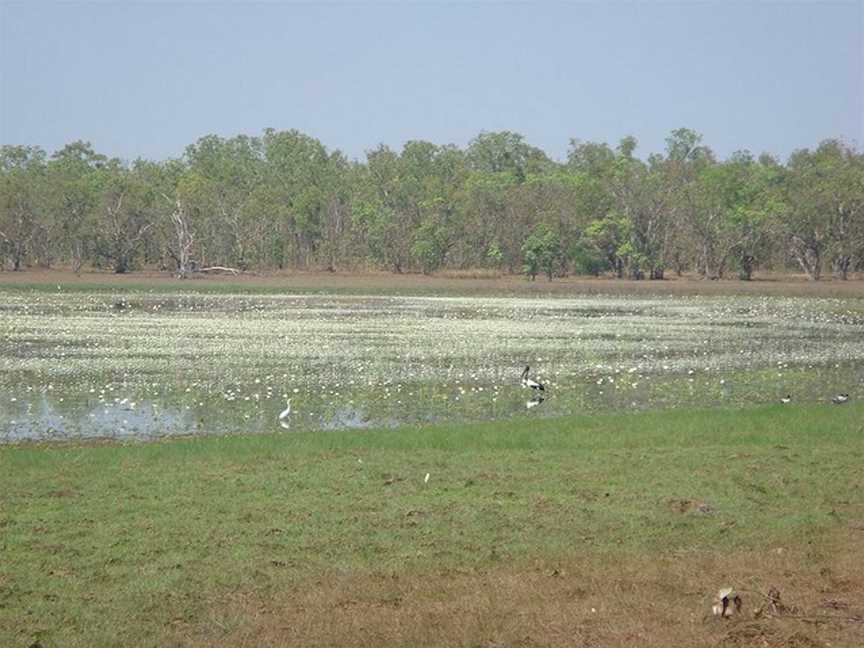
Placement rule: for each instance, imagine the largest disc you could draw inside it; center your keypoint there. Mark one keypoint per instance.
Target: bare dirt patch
(468, 283)
(689, 506)
(595, 601)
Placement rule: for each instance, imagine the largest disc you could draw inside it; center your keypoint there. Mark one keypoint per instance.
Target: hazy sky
(146, 79)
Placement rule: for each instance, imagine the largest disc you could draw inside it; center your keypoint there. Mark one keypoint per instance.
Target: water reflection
(44, 421)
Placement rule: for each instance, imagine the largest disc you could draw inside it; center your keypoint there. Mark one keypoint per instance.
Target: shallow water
(48, 421)
(141, 366)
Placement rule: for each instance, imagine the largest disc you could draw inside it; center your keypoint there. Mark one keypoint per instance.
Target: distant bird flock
(839, 399)
(539, 390)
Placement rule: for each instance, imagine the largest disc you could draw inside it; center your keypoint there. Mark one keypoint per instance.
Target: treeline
(282, 200)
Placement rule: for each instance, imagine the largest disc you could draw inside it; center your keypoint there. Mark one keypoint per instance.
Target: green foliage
(609, 239)
(494, 254)
(685, 145)
(23, 194)
(588, 259)
(430, 246)
(378, 224)
(282, 200)
(822, 192)
(541, 252)
(506, 152)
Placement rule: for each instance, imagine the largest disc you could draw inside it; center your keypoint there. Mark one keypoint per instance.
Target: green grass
(105, 544)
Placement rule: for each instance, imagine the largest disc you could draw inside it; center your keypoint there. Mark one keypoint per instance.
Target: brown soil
(459, 283)
(805, 597)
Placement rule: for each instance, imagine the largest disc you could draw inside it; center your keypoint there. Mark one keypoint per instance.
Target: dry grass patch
(463, 282)
(593, 600)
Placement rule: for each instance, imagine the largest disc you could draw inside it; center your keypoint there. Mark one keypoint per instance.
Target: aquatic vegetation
(121, 365)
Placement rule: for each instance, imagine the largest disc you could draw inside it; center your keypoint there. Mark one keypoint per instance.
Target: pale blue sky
(146, 79)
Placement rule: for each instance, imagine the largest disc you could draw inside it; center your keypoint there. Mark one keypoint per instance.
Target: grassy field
(659, 469)
(603, 530)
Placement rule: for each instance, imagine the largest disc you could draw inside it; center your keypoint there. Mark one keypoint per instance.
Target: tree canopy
(283, 200)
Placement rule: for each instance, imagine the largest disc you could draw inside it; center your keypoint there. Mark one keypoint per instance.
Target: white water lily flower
(352, 347)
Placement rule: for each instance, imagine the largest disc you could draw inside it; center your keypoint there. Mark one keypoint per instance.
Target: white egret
(283, 416)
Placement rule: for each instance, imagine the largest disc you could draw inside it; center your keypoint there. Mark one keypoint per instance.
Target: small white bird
(528, 382)
(283, 416)
(786, 399)
(839, 399)
(426, 479)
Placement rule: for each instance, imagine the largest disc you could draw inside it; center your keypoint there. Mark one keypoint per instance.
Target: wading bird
(786, 399)
(283, 416)
(528, 382)
(839, 399)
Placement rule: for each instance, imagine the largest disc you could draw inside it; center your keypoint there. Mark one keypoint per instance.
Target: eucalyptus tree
(227, 173)
(561, 202)
(730, 209)
(298, 195)
(641, 196)
(126, 212)
(822, 195)
(506, 152)
(492, 233)
(845, 171)
(74, 180)
(607, 183)
(385, 211)
(594, 159)
(200, 230)
(497, 211)
(709, 203)
(542, 252)
(177, 223)
(605, 245)
(338, 243)
(752, 220)
(442, 170)
(603, 234)
(406, 205)
(694, 203)
(22, 202)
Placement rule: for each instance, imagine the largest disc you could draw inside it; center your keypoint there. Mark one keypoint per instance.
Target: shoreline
(787, 285)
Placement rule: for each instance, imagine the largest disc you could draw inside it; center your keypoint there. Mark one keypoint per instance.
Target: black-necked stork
(839, 399)
(284, 421)
(528, 382)
(786, 399)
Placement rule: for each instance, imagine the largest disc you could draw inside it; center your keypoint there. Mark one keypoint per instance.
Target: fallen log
(233, 271)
